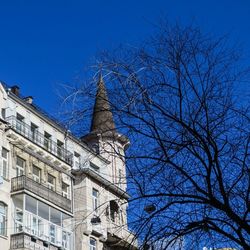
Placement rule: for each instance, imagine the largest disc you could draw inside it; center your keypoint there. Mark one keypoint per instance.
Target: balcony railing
(121, 232)
(39, 139)
(23, 241)
(23, 182)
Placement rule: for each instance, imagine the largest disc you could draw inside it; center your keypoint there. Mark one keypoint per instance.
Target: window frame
(65, 194)
(34, 176)
(95, 199)
(92, 246)
(51, 186)
(4, 166)
(20, 168)
(3, 220)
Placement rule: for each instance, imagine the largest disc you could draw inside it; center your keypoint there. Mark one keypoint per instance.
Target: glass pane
(20, 162)
(43, 210)
(65, 187)
(51, 179)
(36, 171)
(4, 153)
(31, 204)
(55, 216)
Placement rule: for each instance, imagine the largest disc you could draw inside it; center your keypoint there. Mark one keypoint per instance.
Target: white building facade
(58, 191)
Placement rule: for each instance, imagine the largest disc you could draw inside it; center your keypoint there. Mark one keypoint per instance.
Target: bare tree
(188, 165)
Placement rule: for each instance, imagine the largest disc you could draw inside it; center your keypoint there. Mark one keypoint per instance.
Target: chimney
(15, 90)
(29, 99)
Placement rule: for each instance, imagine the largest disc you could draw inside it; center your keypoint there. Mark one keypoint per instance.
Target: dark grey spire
(102, 119)
(102, 125)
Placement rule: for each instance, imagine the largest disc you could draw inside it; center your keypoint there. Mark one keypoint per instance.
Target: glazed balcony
(39, 139)
(34, 232)
(25, 183)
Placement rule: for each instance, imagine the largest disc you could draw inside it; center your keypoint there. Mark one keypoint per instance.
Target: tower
(104, 179)
(104, 139)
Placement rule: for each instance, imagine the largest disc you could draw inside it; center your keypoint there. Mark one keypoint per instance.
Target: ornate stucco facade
(58, 191)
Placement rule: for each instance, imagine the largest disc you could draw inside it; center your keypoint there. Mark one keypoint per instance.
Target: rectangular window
(3, 113)
(36, 174)
(4, 165)
(76, 160)
(95, 198)
(20, 166)
(34, 227)
(47, 141)
(20, 124)
(65, 190)
(52, 233)
(34, 132)
(59, 148)
(65, 240)
(3, 219)
(51, 182)
(92, 244)
(18, 220)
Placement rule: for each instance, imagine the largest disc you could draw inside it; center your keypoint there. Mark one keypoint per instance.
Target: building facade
(58, 191)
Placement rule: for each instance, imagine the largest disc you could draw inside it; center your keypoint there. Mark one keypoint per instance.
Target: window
(51, 182)
(18, 220)
(92, 244)
(114, 210)
(4, 165)
(95, 195)
(3, 113)
(76, 160)
(34, 228)
(20, 165)
(3, 219)
(65, 190)
(20, 123)
(59, 148)
(36, 174)
(47, 140)
(52, 233)
(65, 239)
(34, 132)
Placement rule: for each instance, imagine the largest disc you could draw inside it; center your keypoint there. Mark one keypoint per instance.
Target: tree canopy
(189, 160)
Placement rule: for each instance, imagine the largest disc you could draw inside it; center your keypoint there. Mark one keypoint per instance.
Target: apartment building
(58, 191)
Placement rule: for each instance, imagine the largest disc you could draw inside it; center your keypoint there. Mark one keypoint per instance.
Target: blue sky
(46, 43)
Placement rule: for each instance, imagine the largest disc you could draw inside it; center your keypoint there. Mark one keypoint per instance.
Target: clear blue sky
(45, 43)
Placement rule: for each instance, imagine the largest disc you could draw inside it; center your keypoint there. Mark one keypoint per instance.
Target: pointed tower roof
(102, 125)
(102, 119)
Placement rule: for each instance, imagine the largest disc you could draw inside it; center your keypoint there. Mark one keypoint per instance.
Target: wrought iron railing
(38, 138)
(123, 233)
(23, 182)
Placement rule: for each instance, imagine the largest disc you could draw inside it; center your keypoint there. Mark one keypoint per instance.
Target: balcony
(23, 241)
(23, 182)
(37, 233)
(39, 139)
(120, 236)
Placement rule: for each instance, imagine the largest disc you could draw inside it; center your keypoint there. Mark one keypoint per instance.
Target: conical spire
(102, 119)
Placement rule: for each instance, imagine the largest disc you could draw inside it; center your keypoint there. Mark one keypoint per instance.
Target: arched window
(3, 219)
(92, 244)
